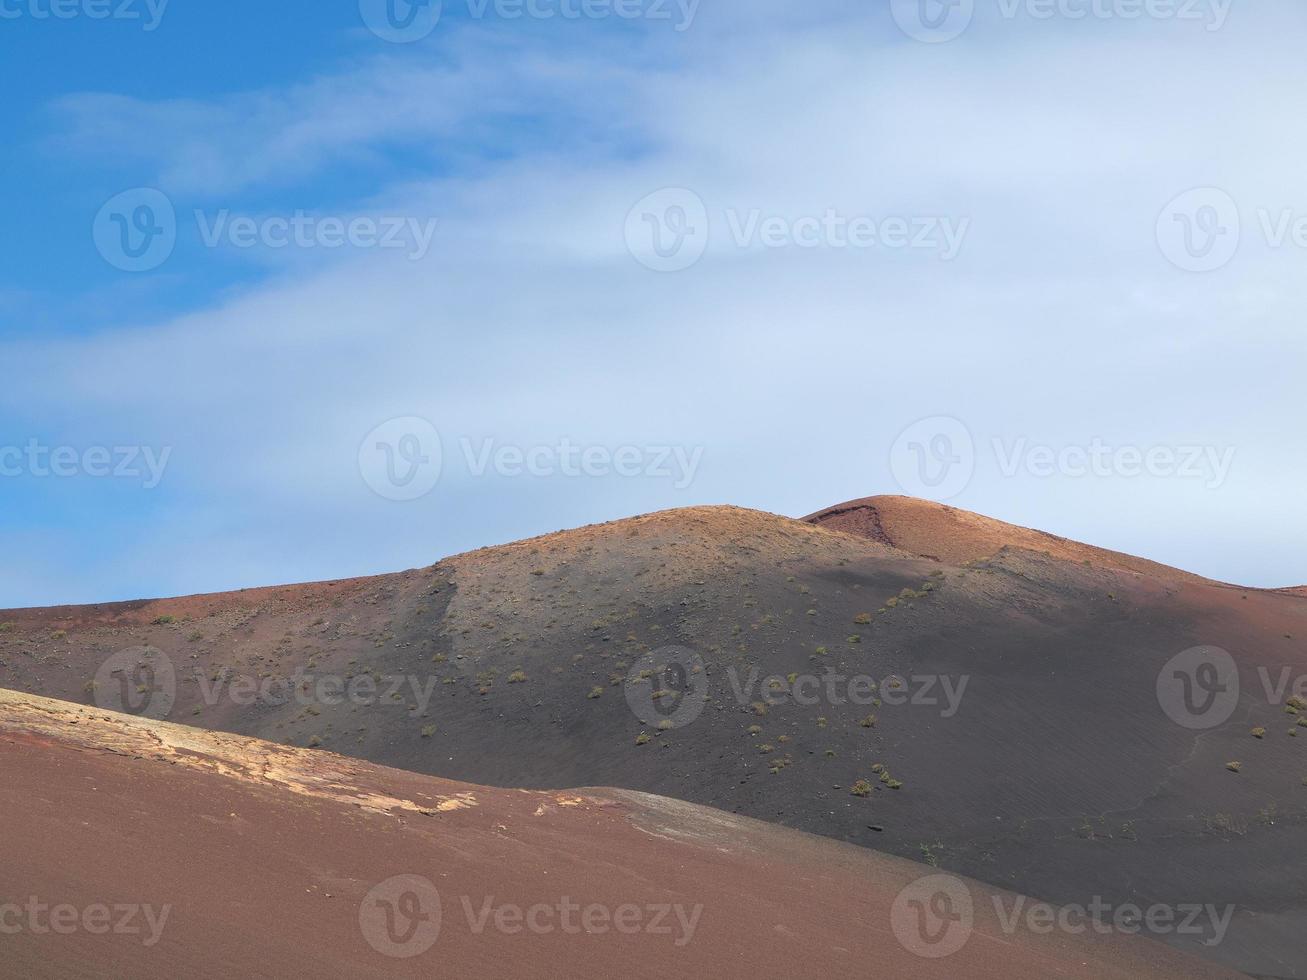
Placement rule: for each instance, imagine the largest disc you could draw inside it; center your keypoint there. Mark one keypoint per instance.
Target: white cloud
(1060, 321)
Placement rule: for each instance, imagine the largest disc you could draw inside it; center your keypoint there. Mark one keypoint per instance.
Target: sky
(300, 291)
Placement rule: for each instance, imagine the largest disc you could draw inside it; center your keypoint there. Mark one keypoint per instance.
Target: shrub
(861, 788)
(893, 784)
(1234, 766)
(59, 635)
(641, 739)
(164, 621)
(855, 638)
(195, 637)
(755, 729)
(595, 692)
(6, 627)
(820, 651)
(1258, 732)
(862, 619)
(517, 677)
(428, 731)
(868, 722)
(314, 742)
(665, 725)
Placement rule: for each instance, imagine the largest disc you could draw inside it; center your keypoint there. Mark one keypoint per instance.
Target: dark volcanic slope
(219, 856)
(1034, 751)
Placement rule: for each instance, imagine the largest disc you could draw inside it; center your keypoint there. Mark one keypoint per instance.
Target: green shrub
(861, 788)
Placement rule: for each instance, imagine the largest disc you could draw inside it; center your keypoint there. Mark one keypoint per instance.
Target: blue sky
(1049, 269)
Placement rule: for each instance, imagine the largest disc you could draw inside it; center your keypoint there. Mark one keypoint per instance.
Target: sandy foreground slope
(145, 849)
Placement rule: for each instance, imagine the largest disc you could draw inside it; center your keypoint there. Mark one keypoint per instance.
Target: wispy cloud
(795, 367)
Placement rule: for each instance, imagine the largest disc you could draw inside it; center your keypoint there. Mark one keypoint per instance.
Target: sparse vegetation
(6, 627)
(164, 621)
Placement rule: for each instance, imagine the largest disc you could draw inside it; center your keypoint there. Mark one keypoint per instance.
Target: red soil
(268, 859)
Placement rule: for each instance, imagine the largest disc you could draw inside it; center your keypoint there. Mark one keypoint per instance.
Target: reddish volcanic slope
(1031, 726)
(145, 849)
(955, 537)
